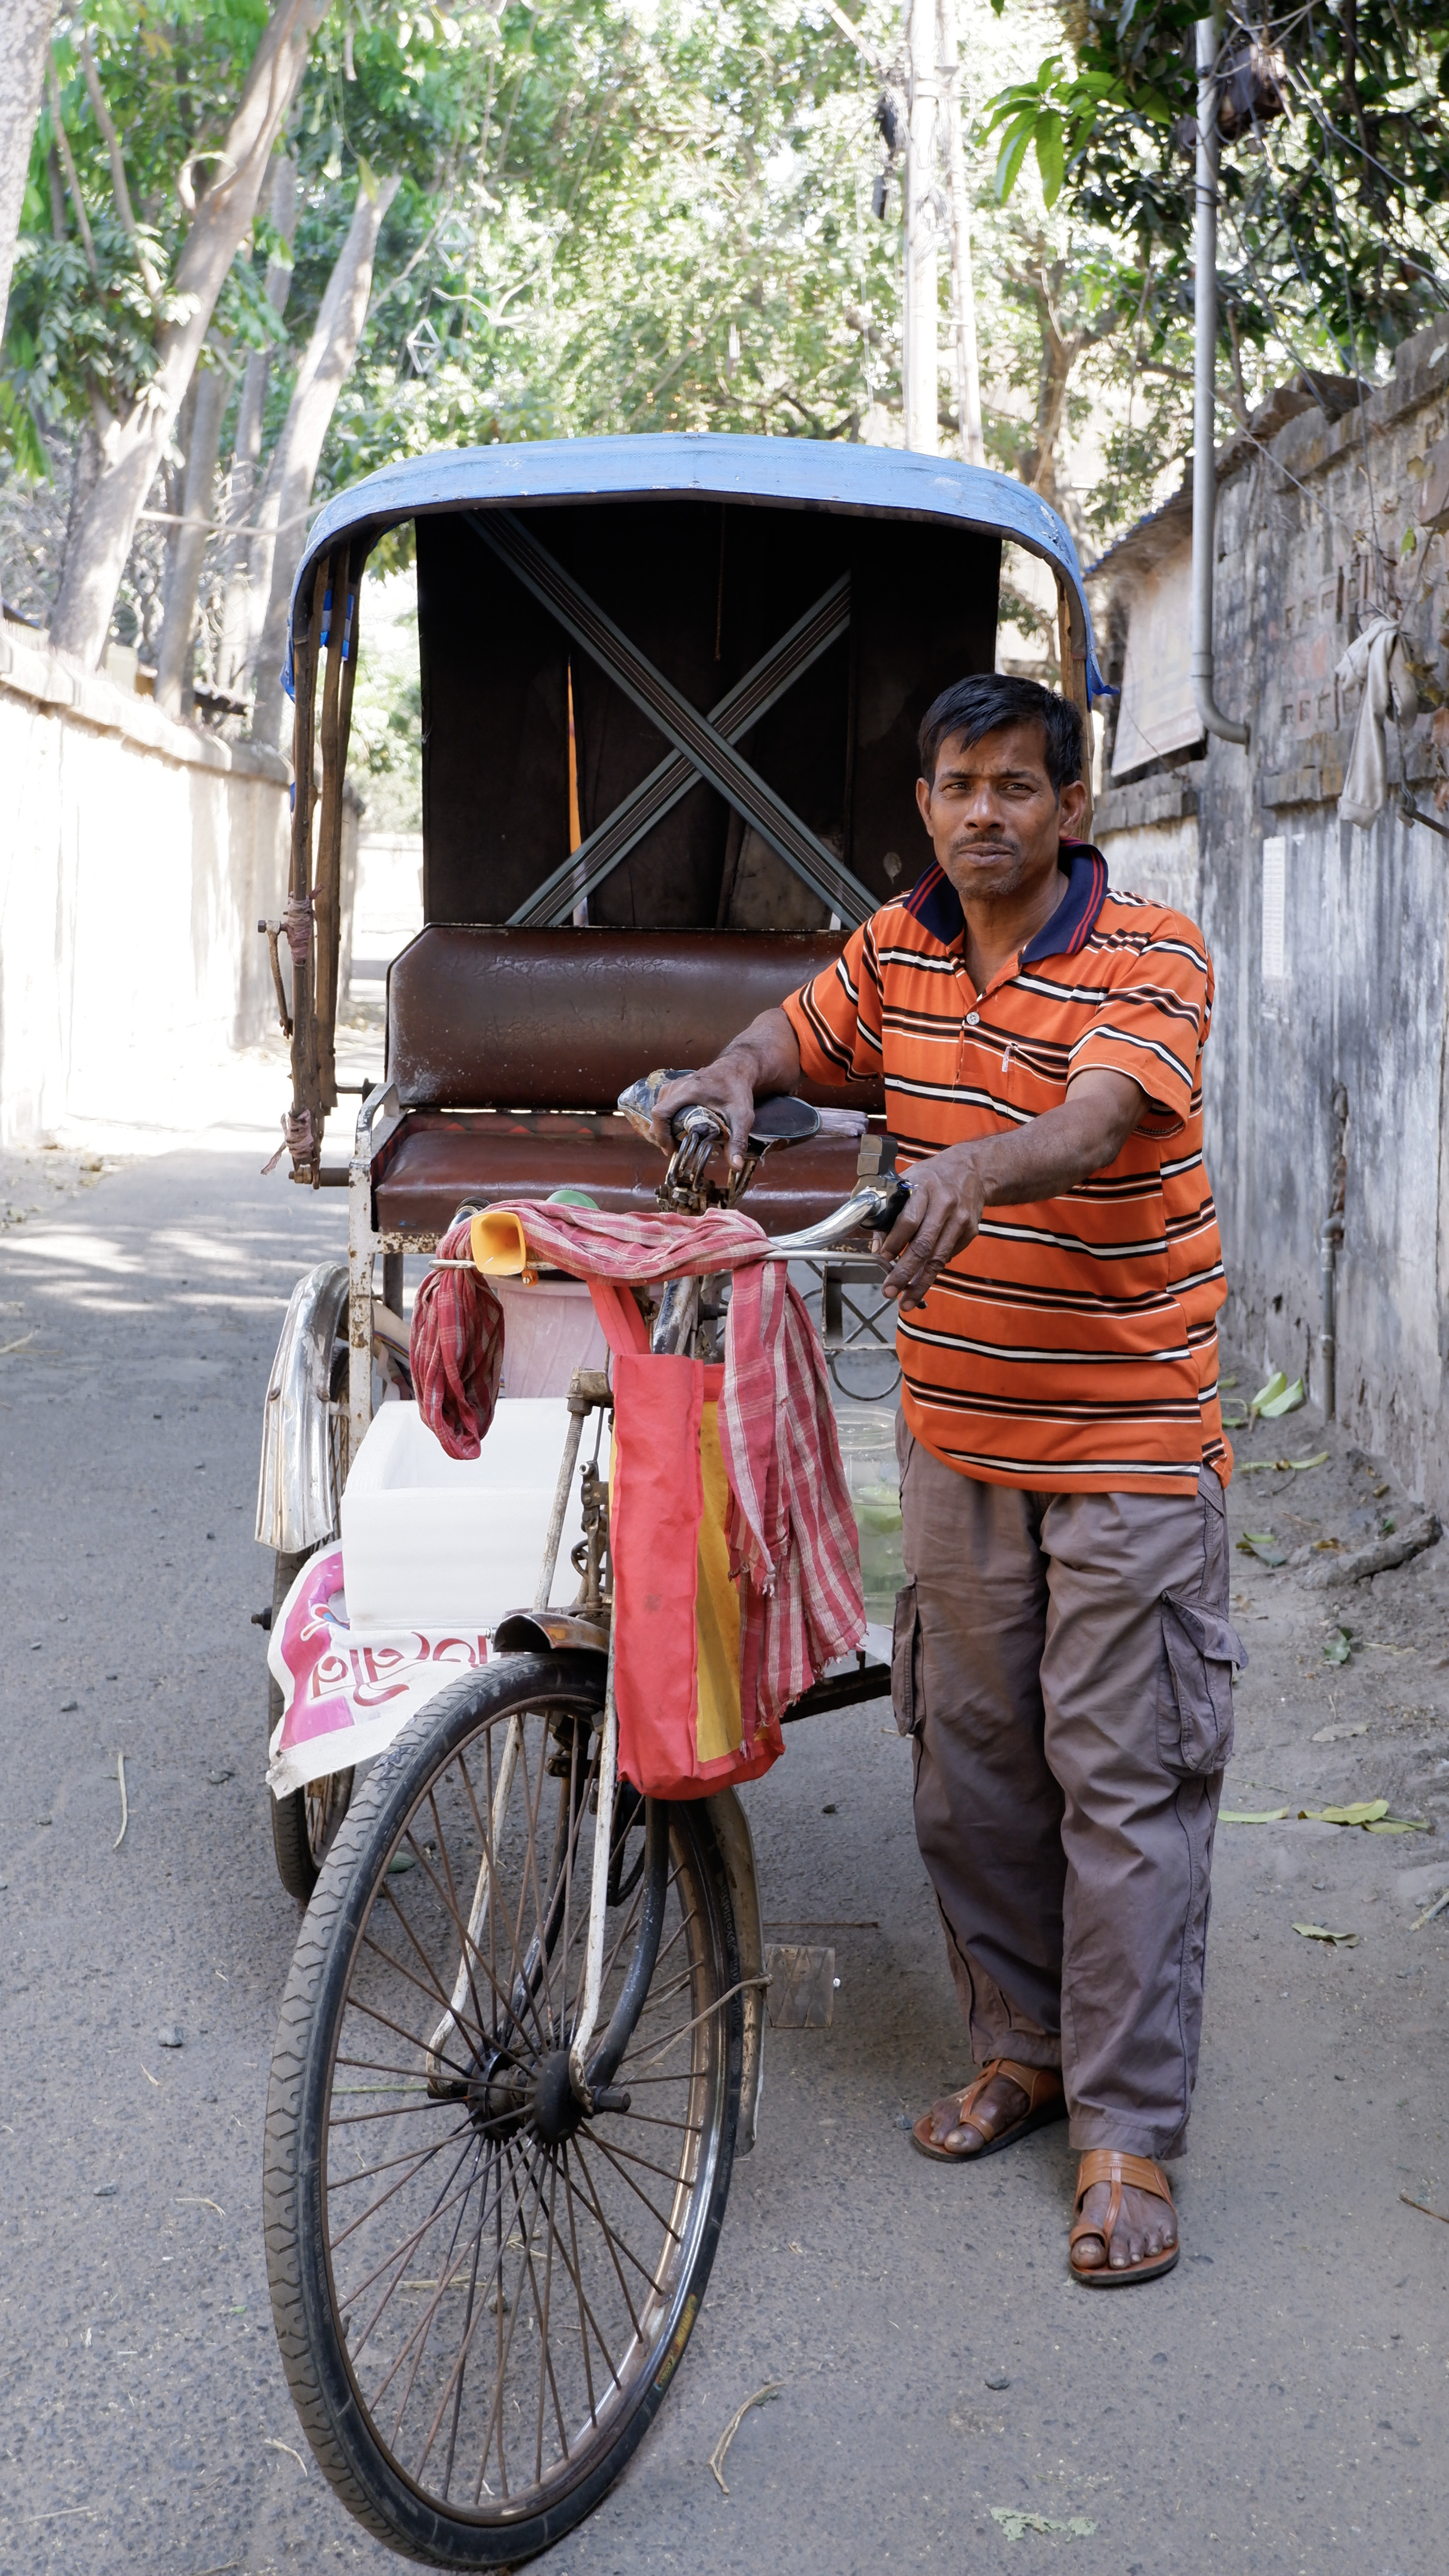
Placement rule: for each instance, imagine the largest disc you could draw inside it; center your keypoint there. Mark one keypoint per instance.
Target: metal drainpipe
(1204, 439)
(1328, 1243)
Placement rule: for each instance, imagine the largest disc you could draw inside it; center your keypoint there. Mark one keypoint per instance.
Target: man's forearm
(1054, 1152)
(770, 1053)
(763, 1060)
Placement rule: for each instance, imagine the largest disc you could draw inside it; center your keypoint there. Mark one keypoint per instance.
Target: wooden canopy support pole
(1072, 654)
(336, 729)
(305, 1127)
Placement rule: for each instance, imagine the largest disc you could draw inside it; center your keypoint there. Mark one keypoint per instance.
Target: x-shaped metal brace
(704, 743)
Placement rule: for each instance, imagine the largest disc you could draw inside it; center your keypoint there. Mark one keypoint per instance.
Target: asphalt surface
(1278, 2403)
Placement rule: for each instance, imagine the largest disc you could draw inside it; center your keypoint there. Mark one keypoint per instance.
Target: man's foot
(1005, 2102)
(1126, 2226)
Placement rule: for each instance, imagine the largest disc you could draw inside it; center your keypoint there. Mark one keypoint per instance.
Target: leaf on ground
(1398, 1825)
(1276, 1386)
(1264, 1545)
(1338, 1648)
(1340, 1734)
(1015, 2524)
(1320, 1932)
(1252, 1815)
(1364, 1811)
(1288, 1402)
(1281, 1466)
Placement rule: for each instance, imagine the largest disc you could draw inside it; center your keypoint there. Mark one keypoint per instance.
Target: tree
(133, 441)
(24, 43)
(320, 378)
(1335, 168)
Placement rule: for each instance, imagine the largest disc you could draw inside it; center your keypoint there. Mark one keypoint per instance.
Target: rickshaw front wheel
(482, 2288)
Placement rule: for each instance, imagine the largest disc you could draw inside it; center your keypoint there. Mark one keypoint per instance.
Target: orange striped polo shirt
(1072, 1347)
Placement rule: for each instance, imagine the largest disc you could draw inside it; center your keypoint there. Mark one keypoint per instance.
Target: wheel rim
(508, 2275)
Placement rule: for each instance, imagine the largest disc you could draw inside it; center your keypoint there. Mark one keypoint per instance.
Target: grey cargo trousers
(1063, 1665)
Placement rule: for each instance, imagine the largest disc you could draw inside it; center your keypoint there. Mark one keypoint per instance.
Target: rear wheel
(304, 1821)
(481, 2289)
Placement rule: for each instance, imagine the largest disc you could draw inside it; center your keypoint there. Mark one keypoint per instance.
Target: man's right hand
(761, 1062)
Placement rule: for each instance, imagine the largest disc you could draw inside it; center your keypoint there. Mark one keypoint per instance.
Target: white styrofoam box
(427, 1538)
(549, 1330)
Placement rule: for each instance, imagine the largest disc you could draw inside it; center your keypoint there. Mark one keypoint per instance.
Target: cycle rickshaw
(670, 693)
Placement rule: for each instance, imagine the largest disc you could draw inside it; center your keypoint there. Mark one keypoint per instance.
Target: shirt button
(971, 1019)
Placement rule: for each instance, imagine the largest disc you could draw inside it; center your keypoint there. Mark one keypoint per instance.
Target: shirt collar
(935, 904)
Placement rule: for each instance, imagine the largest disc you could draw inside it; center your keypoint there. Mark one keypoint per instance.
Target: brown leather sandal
(1109, 2165)
(1046, 2101)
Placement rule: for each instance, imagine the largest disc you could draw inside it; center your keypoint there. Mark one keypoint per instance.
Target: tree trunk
(134, 445)
(247, 447)
(963, 299)
(24, 42)
(174, 658)
(920, 349)
(288, 494)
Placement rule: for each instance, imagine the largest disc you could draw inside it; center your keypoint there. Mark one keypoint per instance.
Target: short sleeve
(837, 1018)
(1152, 1022)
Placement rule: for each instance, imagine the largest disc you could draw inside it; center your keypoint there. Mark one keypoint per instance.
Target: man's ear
(1072, 806)
(923, 799)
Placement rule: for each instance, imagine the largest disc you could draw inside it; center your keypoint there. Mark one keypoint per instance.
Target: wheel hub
(554, 2105)
(498, 2095)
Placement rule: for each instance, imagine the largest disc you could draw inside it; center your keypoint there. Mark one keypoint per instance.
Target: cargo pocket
(1195, 1694)
(907, 1696)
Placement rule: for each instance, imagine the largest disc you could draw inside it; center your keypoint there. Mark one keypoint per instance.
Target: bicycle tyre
(594, 2383)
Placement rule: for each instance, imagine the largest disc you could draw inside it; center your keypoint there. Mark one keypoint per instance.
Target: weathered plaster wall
(136, 858)
(1309, 534)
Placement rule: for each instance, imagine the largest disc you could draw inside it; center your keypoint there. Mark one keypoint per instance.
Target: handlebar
(698, 1133)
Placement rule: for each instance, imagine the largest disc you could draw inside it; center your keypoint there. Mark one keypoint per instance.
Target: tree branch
(121, 192)
(67, 158)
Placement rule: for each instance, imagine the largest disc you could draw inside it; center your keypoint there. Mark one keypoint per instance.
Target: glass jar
(868, 1454)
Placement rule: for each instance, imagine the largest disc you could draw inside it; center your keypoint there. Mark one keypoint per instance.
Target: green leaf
(1263, 1545)
(1251, 1815)
(1050, 157)
(1275, 1386)
(1319, 1932)
(1013, 153)
(369, 183)
(1287, 1402)
(1339, 1647)
(1365, 1811)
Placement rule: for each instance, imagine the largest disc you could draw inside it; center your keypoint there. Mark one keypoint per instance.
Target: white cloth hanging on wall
(1376, 657)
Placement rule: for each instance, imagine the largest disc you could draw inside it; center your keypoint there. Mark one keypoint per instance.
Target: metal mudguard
(297, 1497)
(737, 1850)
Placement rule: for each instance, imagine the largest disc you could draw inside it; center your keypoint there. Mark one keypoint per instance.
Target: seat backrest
(565, 1019)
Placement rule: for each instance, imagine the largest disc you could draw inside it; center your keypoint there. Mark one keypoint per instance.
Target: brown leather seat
(436, 1159)
(493, 1021)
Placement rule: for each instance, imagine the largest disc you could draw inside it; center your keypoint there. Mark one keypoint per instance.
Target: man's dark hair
(993, 700)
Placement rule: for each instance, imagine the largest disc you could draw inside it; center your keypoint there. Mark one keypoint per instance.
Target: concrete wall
(136, 858)
(1309, 534)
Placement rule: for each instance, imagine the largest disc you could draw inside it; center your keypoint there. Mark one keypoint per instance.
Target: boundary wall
(1328, 1066)
(136, 857)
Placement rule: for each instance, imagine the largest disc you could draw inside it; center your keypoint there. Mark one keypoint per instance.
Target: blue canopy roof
(808, 473)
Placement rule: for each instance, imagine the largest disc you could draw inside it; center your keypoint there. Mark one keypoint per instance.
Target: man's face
(995, 820)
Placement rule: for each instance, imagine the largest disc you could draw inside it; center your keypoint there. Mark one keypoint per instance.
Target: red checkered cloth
(456, 1350)
(794, 1548)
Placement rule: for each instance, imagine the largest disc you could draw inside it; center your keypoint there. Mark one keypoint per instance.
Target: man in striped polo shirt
(1063, 1658)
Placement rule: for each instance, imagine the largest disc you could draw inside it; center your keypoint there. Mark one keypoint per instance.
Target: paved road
(1278, 2404)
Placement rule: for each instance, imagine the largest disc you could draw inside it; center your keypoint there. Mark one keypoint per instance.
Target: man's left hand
(939, 1219)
